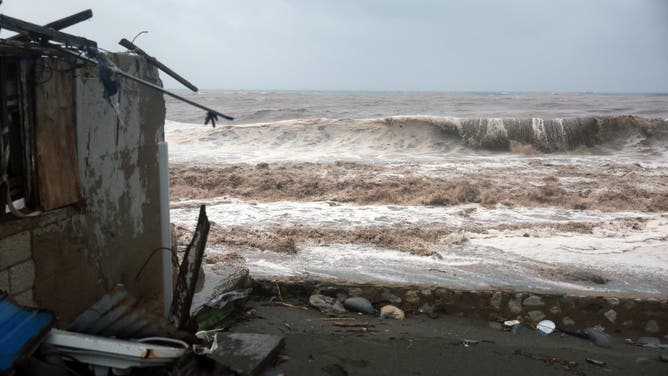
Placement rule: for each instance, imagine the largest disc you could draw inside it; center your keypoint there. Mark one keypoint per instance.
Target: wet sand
(420, 345)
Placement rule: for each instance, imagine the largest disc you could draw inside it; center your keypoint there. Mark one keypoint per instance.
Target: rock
(390, 311)
(546, 327)
(567, 321)
(246, 353)
(411, 297)
(359, 304)
(664, 358)
(649, 341)
(495, 325)
(536, 316)
(611, 315)
(496, 300)
(427, 309)
(599, 338)
(612, 301)
(652, 327)
(533, 301)
(511, 323)
(326, 304)
(555, 310)
(388, 296)
(515, 305)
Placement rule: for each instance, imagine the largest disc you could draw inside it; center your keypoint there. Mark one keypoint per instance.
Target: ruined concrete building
(84, 197)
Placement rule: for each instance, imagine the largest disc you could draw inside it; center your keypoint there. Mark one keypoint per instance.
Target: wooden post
(132, 47)
(189, 272)
(61, 23)
(28, 28)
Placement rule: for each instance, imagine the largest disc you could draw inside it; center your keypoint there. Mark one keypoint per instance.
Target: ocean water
(261, 107)
(380, 126)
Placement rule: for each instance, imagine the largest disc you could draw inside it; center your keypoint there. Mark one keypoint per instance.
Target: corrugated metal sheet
(117, 314)
(21, 330)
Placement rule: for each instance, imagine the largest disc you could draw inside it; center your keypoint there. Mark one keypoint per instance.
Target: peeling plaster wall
(78, 255)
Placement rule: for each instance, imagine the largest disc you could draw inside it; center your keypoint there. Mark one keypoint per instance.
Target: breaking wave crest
(545, 135)
(434, 134)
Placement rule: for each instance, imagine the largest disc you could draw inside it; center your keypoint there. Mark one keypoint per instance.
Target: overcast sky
(494, 45)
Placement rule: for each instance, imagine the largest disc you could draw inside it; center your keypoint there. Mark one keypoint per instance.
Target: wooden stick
(352, 324)
(284, 304)
(27, 28)
(132, 47)
(61, 23)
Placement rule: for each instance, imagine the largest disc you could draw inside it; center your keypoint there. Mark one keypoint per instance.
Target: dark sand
(420, 345)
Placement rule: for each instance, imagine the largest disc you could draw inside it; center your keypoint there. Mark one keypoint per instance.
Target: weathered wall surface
(78, 255)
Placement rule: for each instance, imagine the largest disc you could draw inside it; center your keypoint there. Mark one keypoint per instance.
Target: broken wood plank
(352, 324)
(35, 31)
(61, 23)
(186, 280)
(55, 136)
(132, 47)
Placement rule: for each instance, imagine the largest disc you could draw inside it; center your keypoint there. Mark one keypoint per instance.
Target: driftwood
(189, 272)
(133, 47)
(61, 23)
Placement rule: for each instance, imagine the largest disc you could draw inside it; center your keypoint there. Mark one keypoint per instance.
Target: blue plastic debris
(21, 330)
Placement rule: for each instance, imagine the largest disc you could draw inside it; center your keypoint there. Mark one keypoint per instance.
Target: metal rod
(149, 84)
(134, 48)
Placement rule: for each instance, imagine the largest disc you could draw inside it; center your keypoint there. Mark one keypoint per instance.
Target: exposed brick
(25, 298)
(22, 277)
(4, 280)
(14, 249)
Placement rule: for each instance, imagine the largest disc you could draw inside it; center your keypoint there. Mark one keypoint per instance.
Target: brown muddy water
(515, 190)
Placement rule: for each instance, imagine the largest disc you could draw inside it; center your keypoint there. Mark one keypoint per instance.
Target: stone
(612, 301)
(611, 315)
(359, 304)
(390, 311)
(536, 316)
(533, 301)
(355, 291)
(598, 337)
(496, 300)
(652, 327)
(4, 280)
(515, 305)
(15, 248)
(495, 325)
(555, 310)
(246, 353)
(25, 299)
(664, 358)
(627, 323)
(427, 309)
(21, 277)
(326, 304)
(649, 341)
(411, 297)
(388, 296)
(567, 321)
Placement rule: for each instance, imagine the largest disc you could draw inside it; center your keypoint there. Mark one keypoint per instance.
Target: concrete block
(4, 280)
(14, 249)
(22, 277)
(25, 298)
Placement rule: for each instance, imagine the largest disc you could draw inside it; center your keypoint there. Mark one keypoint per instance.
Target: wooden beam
(61, 23)
(189, 272)
(132, 47)
(32, 30)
